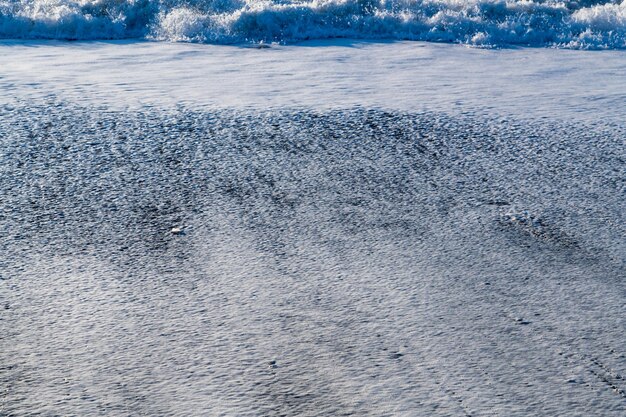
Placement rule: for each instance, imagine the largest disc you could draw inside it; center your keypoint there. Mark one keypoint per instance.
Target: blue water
(349, 262)
(581, 24)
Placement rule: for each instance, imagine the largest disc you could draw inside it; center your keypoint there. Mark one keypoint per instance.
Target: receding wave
(593, 24)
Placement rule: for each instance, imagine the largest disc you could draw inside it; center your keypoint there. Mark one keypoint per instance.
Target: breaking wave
(592, 24)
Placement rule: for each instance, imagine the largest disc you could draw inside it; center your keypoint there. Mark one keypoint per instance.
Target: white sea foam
(597, 24)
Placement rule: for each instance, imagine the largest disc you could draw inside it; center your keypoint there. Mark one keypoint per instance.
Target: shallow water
(524, 83)
(347, 262)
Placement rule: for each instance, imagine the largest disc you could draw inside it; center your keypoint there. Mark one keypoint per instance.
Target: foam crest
(595, 24)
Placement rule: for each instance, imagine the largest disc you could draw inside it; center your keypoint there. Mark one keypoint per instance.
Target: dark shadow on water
(317, 43)
(307, 43)
(65, 43)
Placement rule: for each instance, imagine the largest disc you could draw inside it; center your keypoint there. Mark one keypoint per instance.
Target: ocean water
(346, 262)
(299, 225)
(524, 83)
(587, 24)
